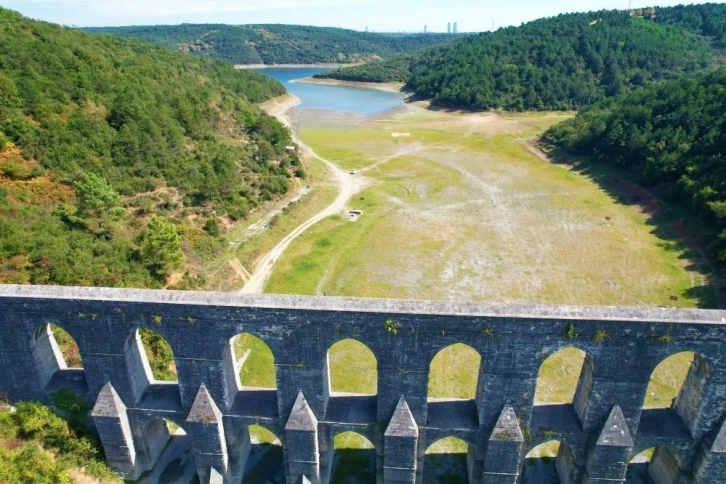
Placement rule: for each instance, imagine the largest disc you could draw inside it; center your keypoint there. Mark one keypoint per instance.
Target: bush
(17, 169)
(212, 227)
(37, 423)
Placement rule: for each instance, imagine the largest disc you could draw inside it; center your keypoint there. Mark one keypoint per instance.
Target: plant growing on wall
(600, 336)
(392, 326)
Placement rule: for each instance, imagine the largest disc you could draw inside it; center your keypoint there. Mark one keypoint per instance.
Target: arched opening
(446, 461)
(677, 385)
(159, 356)
(354, 459)
(559, 376)
(550, 462)
(58, 359)
(172, 445)
(265, 462)
(667, 380)
(352, 368)
(69, 348)
(454, 373)
(656, 465)
(254, 362)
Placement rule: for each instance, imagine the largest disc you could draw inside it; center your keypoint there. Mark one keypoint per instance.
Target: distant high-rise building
(448, 28)
(366, 28)
(426, 29)
(456, 27)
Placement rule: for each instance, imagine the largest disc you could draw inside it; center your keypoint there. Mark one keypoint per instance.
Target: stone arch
(449, 458)
(354, 458)
(70, 351)
(658, 465)
(454, 373)
(58, 358)
(157, 437)
(258, 455)
(566, 377)
(253, 362)
(679, 383)
(138, 368)
(351, 367)
(552, 461)
(158, 355)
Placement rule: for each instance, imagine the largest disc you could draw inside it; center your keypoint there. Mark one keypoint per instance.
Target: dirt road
(348, 185)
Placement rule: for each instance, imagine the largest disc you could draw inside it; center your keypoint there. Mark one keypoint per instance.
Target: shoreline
(321, 65)
(380, 86)
(279, 106)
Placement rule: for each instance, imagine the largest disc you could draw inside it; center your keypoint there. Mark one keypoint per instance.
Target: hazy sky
(381, 15)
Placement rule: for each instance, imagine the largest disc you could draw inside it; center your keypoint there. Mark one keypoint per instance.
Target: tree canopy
(90, 123)
(562, 62)
(279, 44)
(672, 136)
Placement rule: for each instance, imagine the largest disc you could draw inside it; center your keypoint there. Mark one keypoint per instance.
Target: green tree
(161, 247)
(96, 196)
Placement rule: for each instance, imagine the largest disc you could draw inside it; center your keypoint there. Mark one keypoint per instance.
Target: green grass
(351, 440)
(448, 445)
(358, 145)
(454, 372)
(667, 379)
(352, 368)
(338, 246)
(261, 435)
(420, 222)
(558, 376)
(547, 450)
(258, 369)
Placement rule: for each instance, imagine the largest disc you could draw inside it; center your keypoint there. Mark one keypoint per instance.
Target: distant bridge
(600, 432)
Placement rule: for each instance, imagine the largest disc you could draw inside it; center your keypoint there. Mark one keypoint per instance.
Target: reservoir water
(342, 99)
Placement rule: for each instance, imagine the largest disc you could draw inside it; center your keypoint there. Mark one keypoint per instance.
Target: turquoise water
(342, 99)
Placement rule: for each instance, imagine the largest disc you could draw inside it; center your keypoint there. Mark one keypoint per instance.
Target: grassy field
(461, 209)
(257, 369)
(352, 368)
(454, 372)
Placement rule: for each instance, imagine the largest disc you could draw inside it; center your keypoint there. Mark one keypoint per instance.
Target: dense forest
(395, 69)
(671, 136)
(561, 62)
(116, 154)
(279, 44)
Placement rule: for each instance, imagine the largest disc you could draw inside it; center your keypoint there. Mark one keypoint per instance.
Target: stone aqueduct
(601, 431)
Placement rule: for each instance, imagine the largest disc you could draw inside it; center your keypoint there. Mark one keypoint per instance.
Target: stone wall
(604, 428)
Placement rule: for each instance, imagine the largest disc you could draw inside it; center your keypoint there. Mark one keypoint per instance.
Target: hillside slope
(99, 134)
(278, 44)
(671, 136)
(561, 62)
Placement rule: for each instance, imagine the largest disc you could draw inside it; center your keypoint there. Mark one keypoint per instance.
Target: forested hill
(672, 136)
(279, 44)
(561, 62)
(115, 153)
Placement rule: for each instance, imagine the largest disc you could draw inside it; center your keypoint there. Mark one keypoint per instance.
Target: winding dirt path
(348, 185)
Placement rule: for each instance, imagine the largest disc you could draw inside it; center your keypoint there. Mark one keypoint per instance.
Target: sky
(378, 15)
